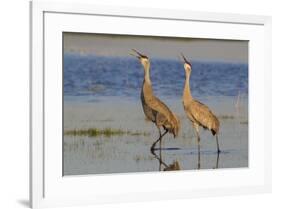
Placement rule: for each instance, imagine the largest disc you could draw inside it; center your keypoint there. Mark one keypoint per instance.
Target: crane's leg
(166, 131)
(160, 152)
(196, 127)
(160, 155)
(198, 161)
(160, 136)
(159, 139)
(218, 147)
(218, 158)
(160, 143)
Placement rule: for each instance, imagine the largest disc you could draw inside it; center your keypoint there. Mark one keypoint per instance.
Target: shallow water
(115, 154)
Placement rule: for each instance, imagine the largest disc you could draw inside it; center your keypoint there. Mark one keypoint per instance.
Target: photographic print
(148, 104)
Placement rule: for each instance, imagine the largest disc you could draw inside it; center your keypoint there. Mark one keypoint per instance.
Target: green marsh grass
(107, 132)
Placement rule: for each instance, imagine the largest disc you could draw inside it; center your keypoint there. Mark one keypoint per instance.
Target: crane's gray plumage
(198, 113)
(154, 109)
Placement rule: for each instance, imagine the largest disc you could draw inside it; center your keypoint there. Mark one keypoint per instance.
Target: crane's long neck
(147, 74)
(187, 97)
(147, 86)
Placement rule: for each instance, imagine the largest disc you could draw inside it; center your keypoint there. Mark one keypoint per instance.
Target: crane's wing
(165, 116)
(159, 106)
(204, 116)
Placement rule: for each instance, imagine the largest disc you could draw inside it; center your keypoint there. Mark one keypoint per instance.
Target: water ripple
(95, 76)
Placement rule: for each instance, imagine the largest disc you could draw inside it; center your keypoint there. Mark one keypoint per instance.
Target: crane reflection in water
(175, 166)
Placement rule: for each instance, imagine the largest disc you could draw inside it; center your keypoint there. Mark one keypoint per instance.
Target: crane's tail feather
(171, 124)
(215, 126)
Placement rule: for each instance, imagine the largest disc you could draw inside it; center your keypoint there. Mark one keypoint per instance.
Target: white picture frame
(47, 185)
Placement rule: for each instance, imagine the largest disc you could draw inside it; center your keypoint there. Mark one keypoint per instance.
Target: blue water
(93, 77)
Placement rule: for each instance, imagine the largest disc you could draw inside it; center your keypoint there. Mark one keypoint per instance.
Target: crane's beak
(135, 55)
(139, 55)
(185, 60)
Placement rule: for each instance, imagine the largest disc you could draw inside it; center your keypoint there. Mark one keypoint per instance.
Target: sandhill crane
(198, 113)
(154, 109)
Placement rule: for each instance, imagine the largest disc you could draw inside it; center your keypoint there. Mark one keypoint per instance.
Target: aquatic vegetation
(107, 132)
